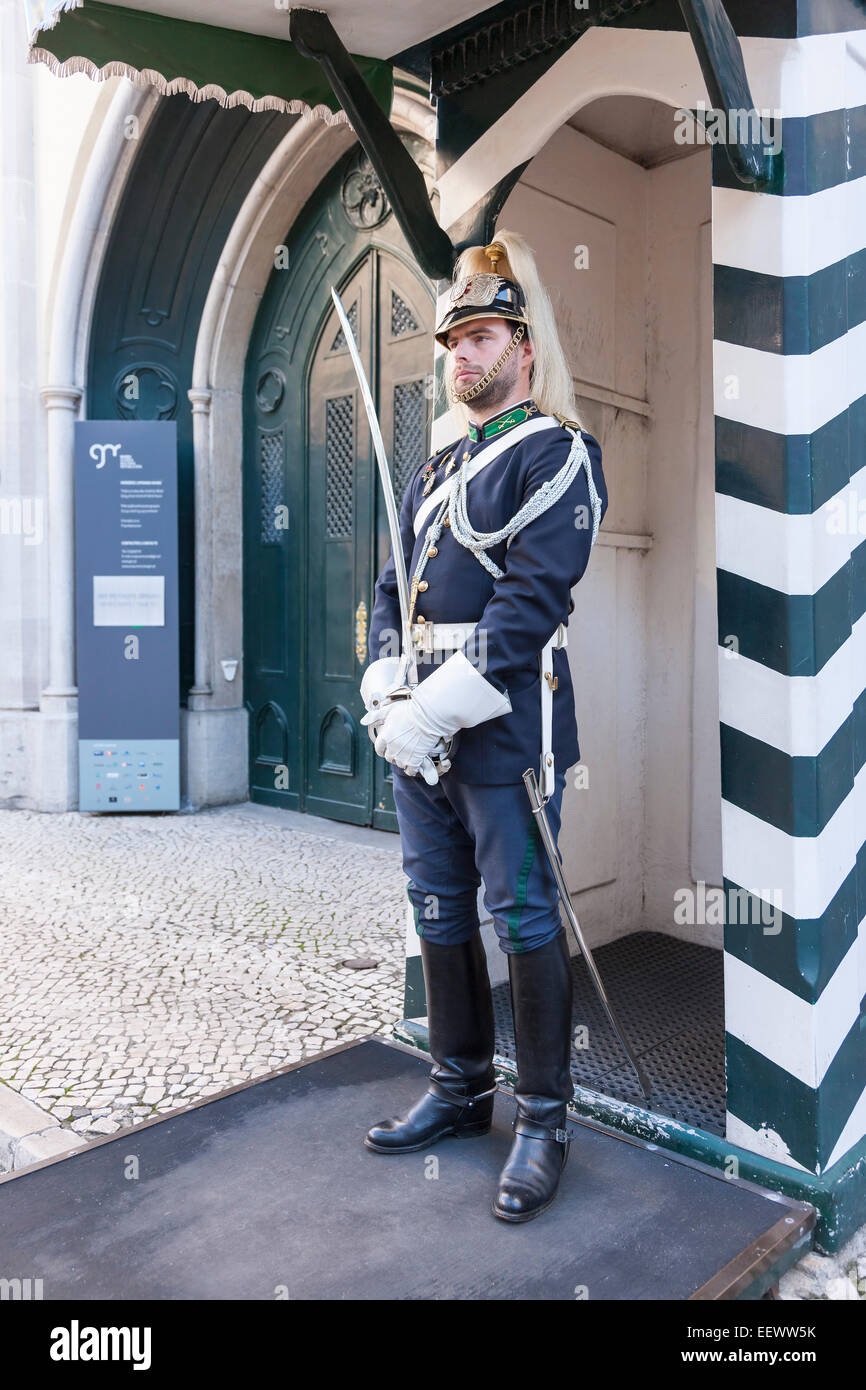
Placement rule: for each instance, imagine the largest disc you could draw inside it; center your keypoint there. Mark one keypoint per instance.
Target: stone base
(39, 758)
(18, 734)
(214, 763)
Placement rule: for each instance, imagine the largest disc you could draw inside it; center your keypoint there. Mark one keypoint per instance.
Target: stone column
(57, 763)
(202, 689)
(62, 405)
(213, 727)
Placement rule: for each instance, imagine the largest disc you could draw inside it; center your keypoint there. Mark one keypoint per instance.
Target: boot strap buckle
(562, 1136)
(437, 1088)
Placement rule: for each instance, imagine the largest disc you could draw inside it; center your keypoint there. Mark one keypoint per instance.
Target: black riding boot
(459, 1097)
(541, 990)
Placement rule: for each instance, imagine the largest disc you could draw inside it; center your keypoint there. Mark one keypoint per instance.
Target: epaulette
(566, 423)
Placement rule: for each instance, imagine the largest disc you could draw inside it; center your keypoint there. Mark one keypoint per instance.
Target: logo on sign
(98, 451)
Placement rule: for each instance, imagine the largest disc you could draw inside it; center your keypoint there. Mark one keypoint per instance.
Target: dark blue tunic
(518, 612)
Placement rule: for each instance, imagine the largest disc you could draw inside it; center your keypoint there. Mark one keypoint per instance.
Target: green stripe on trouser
(457, 835)
(419, 929)
(522, 881)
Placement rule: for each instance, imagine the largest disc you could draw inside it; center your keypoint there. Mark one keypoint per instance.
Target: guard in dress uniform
(497, 529)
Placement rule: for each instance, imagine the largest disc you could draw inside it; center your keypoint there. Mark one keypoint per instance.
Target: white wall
(48, 130)
(68, 114)
(22, 503)
(682, 822)
(637, 327)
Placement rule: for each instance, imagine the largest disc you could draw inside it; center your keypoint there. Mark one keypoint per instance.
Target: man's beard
(497, 391)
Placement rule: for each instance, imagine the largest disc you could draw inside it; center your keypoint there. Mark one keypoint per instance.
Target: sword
(409, 665)
(540, 814)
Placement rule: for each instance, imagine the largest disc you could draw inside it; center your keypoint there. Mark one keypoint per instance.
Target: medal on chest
(428, 473)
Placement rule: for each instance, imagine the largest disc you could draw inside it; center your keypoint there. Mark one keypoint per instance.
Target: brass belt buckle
(422, 636)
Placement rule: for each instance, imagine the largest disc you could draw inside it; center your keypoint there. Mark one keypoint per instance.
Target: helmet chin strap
(462, 397)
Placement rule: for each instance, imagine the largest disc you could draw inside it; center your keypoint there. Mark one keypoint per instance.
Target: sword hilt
(441, 760)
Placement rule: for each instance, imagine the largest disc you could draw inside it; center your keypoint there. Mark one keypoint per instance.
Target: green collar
(499, 423)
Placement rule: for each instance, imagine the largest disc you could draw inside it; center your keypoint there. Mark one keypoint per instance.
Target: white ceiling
(370, 28)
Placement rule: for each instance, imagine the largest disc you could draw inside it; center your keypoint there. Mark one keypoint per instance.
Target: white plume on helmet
(551, 384)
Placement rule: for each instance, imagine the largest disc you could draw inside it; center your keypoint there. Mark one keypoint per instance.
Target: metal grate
(271, 470)
(668, 996)
(410, 431)
(402, 318)
(339, 453)
(339, 344)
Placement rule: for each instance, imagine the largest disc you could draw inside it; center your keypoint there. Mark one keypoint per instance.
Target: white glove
(456, 696)
(377, 682)
(407, 739)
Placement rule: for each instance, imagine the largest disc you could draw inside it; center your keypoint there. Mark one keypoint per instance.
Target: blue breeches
(455, 834)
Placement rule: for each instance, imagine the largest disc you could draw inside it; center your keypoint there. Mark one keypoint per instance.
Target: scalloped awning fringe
(202, 61)
(211, 92)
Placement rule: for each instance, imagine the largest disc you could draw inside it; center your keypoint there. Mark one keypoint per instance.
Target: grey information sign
(126, 570)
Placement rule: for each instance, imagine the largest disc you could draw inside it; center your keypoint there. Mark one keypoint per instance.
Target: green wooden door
(315, 532)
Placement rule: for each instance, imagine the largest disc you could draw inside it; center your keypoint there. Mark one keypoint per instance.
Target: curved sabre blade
(408, 657)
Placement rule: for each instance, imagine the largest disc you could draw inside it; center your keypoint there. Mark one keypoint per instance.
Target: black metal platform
(268, 1187)
(668, 996)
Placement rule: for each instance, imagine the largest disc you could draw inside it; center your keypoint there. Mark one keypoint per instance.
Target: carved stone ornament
(145, 391)
(362, 195)
(270, 390)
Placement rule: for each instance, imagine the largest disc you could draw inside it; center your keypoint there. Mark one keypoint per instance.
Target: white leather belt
(434, 637)
(437, 637)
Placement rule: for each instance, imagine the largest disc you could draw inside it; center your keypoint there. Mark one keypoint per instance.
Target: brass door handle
(361, 632)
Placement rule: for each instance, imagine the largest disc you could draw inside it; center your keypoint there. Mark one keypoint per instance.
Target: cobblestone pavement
(149, 961)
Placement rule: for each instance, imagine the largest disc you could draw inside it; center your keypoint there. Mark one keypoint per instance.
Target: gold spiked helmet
(483, 295)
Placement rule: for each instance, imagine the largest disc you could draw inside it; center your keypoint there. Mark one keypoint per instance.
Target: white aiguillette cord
(453, 495)
(541, 500)
(480, 460)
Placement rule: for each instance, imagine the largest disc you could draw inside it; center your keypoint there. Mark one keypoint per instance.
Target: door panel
(315, 527)
(405, 414)
(272, 498)
(339, 520)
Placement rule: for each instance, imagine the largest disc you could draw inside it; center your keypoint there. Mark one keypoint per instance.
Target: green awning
(233, 66)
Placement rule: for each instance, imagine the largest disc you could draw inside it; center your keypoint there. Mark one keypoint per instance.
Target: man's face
(473, 347)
